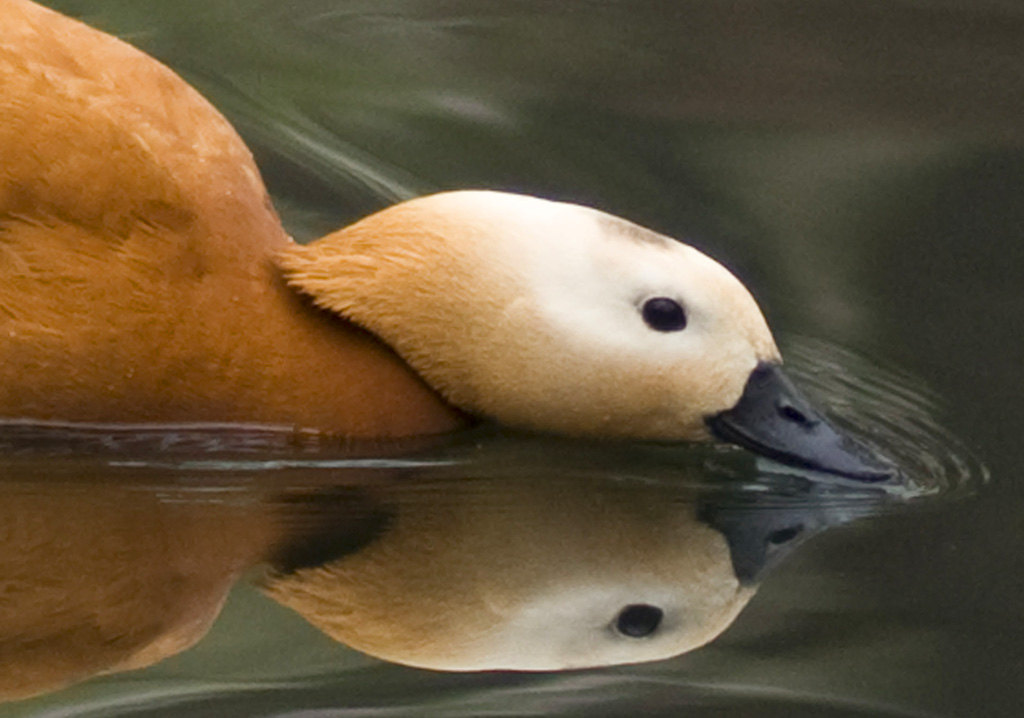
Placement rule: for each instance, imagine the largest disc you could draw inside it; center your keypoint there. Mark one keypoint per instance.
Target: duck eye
(638, 620)
(664, 315)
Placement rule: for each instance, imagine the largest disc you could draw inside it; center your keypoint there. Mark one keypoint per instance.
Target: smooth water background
(859, 165)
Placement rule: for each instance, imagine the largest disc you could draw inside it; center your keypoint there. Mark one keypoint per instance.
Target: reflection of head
(541, 574)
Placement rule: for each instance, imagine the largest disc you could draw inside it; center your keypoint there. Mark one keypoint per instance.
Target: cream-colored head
(532, 312)
(526, 574)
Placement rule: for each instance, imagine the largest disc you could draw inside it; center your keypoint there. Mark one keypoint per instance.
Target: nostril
(777, 538)
(791, 413)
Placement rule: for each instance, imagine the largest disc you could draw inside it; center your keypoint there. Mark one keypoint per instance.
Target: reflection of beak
(762, 528)
(761, 537)
(774, 419)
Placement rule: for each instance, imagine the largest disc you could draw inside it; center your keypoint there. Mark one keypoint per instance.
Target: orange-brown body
(136, 246)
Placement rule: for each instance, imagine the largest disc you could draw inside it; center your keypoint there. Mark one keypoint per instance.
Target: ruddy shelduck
(145, 277)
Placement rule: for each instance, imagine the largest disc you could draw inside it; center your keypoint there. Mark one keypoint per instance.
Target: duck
(145, 277)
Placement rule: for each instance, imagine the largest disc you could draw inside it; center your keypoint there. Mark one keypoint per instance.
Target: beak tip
(775, 420)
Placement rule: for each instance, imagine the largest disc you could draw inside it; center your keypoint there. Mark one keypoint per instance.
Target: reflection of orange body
(96, 579)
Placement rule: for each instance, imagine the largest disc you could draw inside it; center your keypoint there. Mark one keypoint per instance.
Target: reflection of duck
(534, 571)
(145, 277)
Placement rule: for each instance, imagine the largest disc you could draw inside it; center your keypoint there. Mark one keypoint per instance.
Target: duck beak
(774, 419)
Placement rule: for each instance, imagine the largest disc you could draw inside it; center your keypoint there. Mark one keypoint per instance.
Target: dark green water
(858, 165)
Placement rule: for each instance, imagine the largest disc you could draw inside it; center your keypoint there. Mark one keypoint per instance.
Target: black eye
(638, 620)
(664, 315)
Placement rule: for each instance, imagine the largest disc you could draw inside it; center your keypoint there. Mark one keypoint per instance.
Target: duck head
(559, 318)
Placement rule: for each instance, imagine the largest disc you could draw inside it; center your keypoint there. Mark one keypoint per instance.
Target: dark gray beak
(774, 419)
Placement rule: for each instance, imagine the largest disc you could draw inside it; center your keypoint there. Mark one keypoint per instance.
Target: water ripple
(891, 410)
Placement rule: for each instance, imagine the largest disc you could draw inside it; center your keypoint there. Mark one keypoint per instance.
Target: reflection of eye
(664, 315)
(638, 620)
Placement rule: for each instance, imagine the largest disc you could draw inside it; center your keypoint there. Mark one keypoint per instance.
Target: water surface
(858, 166)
